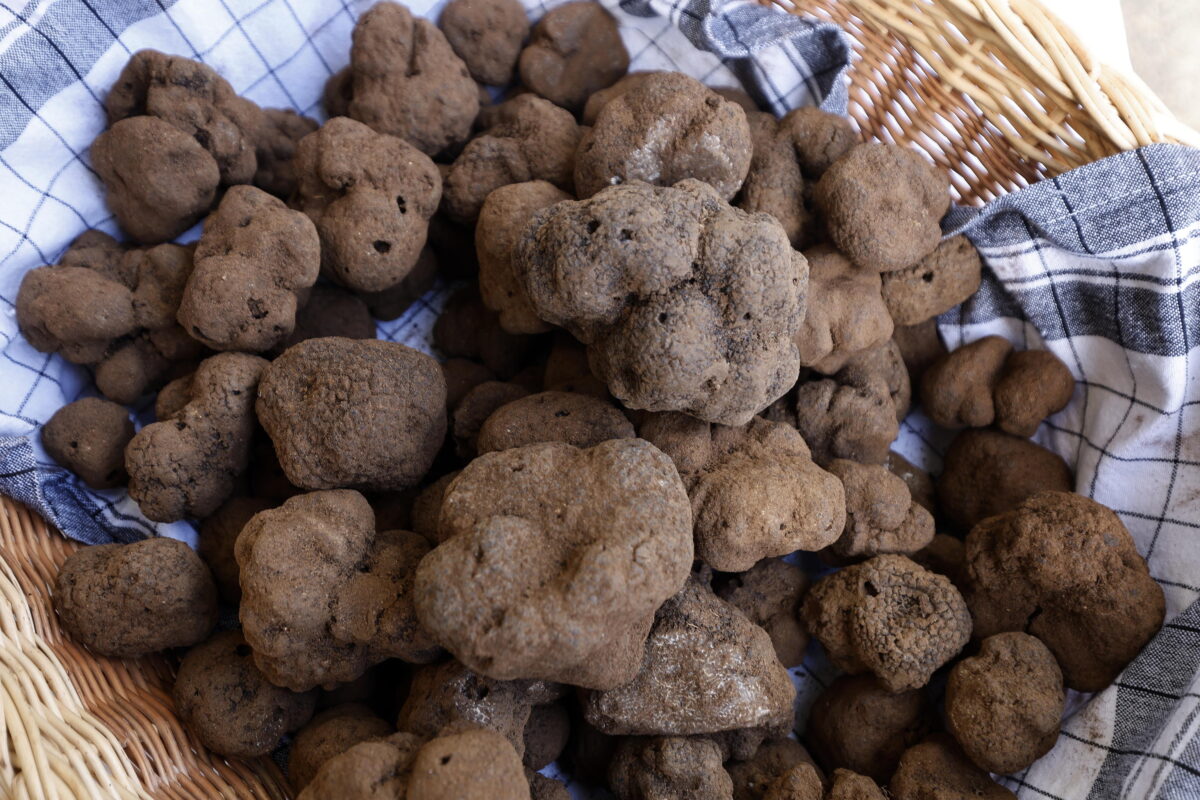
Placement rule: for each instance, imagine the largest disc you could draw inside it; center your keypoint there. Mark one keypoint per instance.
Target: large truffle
(323, 595)
(575, 49)
(576, 419)
(754, 489)
(254, 256)
(1033, 385)
(1064, 568)
(881, 515)
(668, 768)
(956, 390)
(328, 734)
(936, 283)
(186, 466)
(890, 617)
(707, 668)
(936, 768)
(685, 303)
(88, 437)
(487, 35)
(370, 196)
(555, 560)
(769, 594)
(665, 128)
(846, 313)
(357, 413)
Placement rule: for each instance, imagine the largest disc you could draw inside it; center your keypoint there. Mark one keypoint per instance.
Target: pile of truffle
(688, 335)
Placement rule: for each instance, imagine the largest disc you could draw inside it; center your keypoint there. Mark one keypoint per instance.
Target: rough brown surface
(706, 669)
(229, 705)
(476, 406)
(323, 595)
(471, 765)
(668, 768)
(331, 311)
(947, 556)
(956, 390)
(1033, 385)
(574, 50)
(987, 472)
(546, 734)
(919, 482)
(406, 81)
(487, 35)
(846, 313)
(859, 725)
(449, 694)
(466, 328)
(889, 617)
(390, 303)
(129, 600)
(186, 466)
(754, 490)
(330, 733)
(769, 594)
(576, 419)
(370, 196)
(752, 777)
(88, 437)
(1065, 569)
(254, 256)
(218, 534)
(1004, 704)
(354, 413)
(555, 560)
(881, 515)
(881, 370)
(685, 303)
(277, 138)
(803, 782)
(883, 204)
(935, 284)
(936, 769)
(663, 129)
(463, 375)
(543, 788)
(920, 346)
(373, 770)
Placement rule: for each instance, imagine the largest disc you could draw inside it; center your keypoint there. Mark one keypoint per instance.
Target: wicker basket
(997, 91)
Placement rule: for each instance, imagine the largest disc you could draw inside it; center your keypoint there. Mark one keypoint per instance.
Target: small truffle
(461, 377)
(842, 420)
(546, 734)
(330, 311)
(466, 328)
(947, 556)
(668, 768)
(373, 770)
(920, 346)
(1033, 385)
(282, 130)
(88, 437)
(919, 482)
(575, 49)
(956, 390)
(472, 765)
(846, 314)
(935, 284)
(881, 515)
(769, 594)
(475, 408)
(936, 768)
(576, 419)
(487, 35)
(218, 534)
(752, 777)
(328, 734)
(449, 694)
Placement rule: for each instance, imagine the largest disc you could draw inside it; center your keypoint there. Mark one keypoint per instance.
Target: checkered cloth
(1101, 265)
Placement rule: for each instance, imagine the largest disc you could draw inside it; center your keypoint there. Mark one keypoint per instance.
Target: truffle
(846, 314)
(376, 770)
(803, 782)
(881, 516)
(546, 734)
(956, 390)
(919, 482)
(331, 311)
(218, 534)
(330, 733)
(851, 415)
(769, 594)
(281, 131)
(920, 346)
(390, 303)
(933, 285)
(947, 556)
(487, 35)
(88, 437)
(576, 419)
(936, 768)
(471, 765)
(1033, 385)
(449, 694)
(575, 49)
(475, 408)
(752, 777)
(466, 328)
(668, 768)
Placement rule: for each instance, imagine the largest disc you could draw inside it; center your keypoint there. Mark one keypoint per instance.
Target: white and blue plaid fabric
(1101, 266)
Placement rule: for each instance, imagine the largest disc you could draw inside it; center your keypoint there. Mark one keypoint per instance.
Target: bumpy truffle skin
(846, 313)
(554, 560)
(328, 734)
(707, 668)
(936, 283)
(856, 421)
(754, 489)
(668, 768)
(487, 35)
(575, 50)
(372, 770)
(1004, 704)
(390, 303)
(331, 311)
(945, 555)
(1064, 568)
(529, 138)
(466, 328)
(753, 776)
(576, 419)
(859, 725)
(129, 600)
(502, 219)
(881, 516)
(323, 595)
(988, 472)
(218, 533)
(449, 694)
(474, 410)
(1033, 385)
(883, 204)
(187, 466)
(882, 370)
(370, 196)
(685, 303)
(408, 82)
(664, 129)
(890, 617)
(254, 256)
(472, 765)
(281, 131)
(88, 437)
(956, 391)
(769, 594)
(819, 138)
(936, 769)
(229, 705)
(354, 413)
(546, 734)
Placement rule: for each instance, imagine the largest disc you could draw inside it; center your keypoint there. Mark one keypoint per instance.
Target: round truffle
(753, 776)
(473, 765)
(668, 767)
(546, 734)
(937, 768)
(575, 49)
(328, 734)
(576, 419)
(487, 35)
(1033, 385)
(88, 437)
(935, 284)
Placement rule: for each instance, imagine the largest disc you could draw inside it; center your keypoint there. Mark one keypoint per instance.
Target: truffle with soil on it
(546, 734)
(406, 80)
(769, 594)
(324, 596)
(663, 129)
(370, 196)
(474, 764)
(88, 437)
(475, 408)
(281, 131)
(846, 313)
(467, 328)
(218, 534)
(372, 770)
(360, 413)
(487, 35)
(1004, 704)
(188, 464)
(753, 776)
(1033, 385)
(502, 219)
(937, 768)
(125, 601)
(330, 311)
(945, 555)
(803, 782)
(859, 725)
(231, 707)
(1064, 568)
(528, 139)
(576, 419)
(706, 669)
(685, 303)
(574, 50)
(253, 258)
(881, 515)
(330, 733)
(987, 472)
(890, 617)
(755, 491)
(956, 390)
(935, 284)
(554, 560)
(883, 205)
(668, 768)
